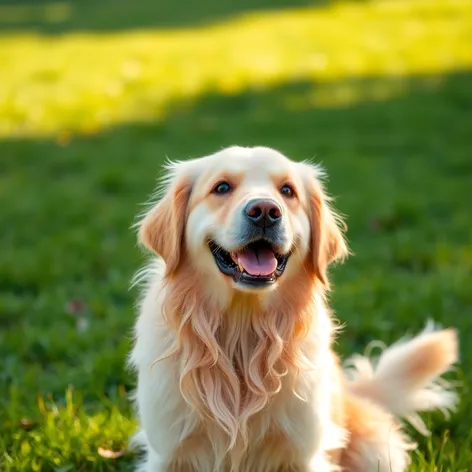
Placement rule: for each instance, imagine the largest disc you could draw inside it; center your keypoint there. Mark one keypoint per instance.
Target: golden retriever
(233, 348)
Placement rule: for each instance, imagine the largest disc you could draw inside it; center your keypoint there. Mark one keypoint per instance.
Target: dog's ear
(162, 230)
(327, 241)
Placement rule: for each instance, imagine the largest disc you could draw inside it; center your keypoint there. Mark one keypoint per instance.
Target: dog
(234, 341)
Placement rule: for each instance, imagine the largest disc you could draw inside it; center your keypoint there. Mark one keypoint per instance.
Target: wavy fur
(232, 362)
(231, 380)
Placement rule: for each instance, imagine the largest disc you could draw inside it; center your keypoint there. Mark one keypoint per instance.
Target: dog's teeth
(241, 268)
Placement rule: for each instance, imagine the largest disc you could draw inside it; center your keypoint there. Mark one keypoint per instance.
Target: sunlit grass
(67, 435)
(83, 82)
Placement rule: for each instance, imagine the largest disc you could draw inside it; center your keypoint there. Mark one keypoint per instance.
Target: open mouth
(257, 264)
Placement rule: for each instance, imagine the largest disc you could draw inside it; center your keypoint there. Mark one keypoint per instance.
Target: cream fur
(231, 380)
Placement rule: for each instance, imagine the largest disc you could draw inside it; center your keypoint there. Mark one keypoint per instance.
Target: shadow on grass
(56, 17)
(401, 169)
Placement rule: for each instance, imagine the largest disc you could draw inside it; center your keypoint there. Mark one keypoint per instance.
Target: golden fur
(238, 380)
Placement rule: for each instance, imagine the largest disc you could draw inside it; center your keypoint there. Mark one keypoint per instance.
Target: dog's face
(247, 217)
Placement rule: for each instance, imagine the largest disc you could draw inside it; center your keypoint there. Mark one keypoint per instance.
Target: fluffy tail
(406, 378)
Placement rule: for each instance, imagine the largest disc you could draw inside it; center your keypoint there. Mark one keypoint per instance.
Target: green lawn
(92, 100)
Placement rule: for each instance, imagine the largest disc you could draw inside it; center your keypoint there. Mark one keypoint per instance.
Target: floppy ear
(162, 228)
(327, 241)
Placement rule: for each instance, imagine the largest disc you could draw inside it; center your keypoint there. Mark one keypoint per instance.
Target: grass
(139, 74)
(379, 92)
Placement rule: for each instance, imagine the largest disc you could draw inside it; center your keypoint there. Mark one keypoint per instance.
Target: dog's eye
(222, 187)
(287, 191)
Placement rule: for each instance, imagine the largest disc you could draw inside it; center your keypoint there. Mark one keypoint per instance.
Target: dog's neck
(233, 361)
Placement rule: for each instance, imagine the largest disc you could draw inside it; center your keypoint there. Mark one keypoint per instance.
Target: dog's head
(248, 217)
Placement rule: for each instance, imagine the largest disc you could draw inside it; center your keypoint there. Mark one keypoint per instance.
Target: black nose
(263, 212)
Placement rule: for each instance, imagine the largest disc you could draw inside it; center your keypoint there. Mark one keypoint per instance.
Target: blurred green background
(95, 94)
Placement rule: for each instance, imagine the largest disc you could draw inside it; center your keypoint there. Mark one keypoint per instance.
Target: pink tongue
(259, 262)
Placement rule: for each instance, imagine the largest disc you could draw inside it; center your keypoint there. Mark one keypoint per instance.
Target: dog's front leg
(168, 426)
